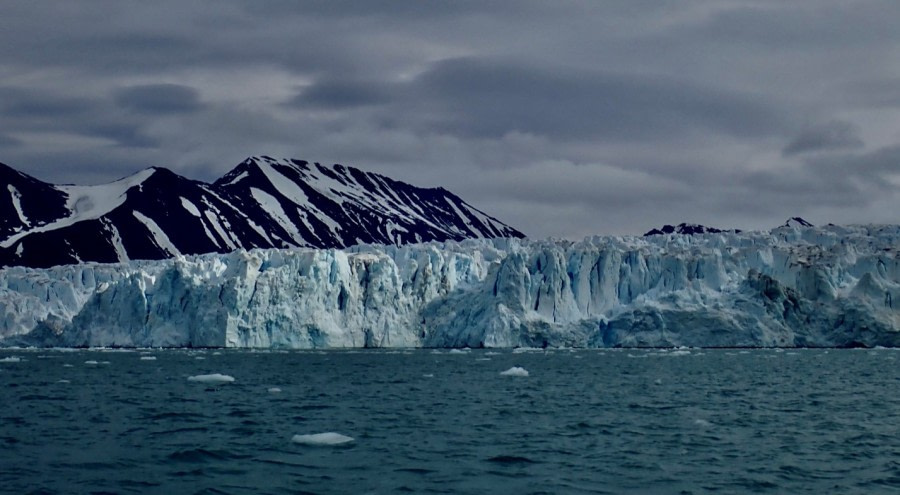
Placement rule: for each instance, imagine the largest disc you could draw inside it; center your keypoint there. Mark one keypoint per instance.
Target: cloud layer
(563, 118)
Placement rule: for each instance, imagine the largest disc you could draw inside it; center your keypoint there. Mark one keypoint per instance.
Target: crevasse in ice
(793, 286)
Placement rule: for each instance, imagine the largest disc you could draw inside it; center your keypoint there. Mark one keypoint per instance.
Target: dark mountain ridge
(261, 203)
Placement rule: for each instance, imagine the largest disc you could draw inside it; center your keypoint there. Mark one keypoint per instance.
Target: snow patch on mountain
(262, 203)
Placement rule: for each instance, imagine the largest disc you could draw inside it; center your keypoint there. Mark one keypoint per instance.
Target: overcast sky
(559, 118)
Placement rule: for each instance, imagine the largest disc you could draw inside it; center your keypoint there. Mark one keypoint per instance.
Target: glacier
(832, 286)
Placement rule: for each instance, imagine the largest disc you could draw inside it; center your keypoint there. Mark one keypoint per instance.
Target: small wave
(510, 459)
(515, 371)
(214, 378)
(328, 438)
(201, 455)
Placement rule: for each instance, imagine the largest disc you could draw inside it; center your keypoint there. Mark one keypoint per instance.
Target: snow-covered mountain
(261, 203)
(687, 229)
(792, 286)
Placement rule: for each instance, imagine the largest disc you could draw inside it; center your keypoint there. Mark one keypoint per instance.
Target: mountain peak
(263, 202)
(796, 222)
(687, 229)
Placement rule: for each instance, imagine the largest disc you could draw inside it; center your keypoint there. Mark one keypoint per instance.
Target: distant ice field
(425, 421)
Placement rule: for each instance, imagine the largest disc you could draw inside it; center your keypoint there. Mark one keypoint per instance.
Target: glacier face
(793, 286)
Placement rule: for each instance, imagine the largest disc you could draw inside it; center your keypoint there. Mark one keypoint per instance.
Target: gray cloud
(159, 98)
(564, 118)
(338, 94)
(833, 135)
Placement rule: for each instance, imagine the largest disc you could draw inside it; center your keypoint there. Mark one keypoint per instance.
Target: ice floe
(515, 371)
(11, 359)
(213, 378)
(328, 438)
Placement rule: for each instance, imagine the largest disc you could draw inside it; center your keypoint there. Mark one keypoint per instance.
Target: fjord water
(616, 421)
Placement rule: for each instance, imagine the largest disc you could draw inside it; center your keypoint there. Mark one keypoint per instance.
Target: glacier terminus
(792, 286)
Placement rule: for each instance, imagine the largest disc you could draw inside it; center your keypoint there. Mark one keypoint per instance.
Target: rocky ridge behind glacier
(793, 286)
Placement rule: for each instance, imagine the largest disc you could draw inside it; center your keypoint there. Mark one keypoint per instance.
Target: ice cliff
(793, 286)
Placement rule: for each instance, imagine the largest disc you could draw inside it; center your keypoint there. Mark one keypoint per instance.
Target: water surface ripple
(614, 421)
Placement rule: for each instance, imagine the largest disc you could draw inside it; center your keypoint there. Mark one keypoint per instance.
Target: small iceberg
(91, 362)
(11, 359)
(515, 371)
(329, 438)
(214, 378)
(274, 390)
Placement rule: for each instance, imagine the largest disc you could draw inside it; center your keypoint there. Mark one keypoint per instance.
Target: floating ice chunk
(460, 351)
(148, 358)
(11, 359)
(63, 381)
(199, 358)
(274, 390)
(214, 378)
(491, 353)
(91, 362)
(702, 423)
(428, 375)
(329, 438)
(679, 352)
(519, 350)
(515, 371)
(67, 365)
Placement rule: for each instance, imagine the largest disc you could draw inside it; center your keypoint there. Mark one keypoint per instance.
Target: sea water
(423, 421)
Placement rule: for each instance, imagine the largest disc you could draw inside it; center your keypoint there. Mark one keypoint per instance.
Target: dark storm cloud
(338, 94)
(159, 98)
(493, 97)
(833, 135)
(17, 102)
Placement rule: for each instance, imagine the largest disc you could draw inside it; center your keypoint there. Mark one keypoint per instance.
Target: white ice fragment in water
(11, 359)
(679, 352)
(199, 358)
(91, 362)
(67, 365)
(702, 423)
(63, 381)
(328, 438)
(214, 378)
(148, 358)
(274, 390)
(515, 371)
(428, 375)
(459, 351)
